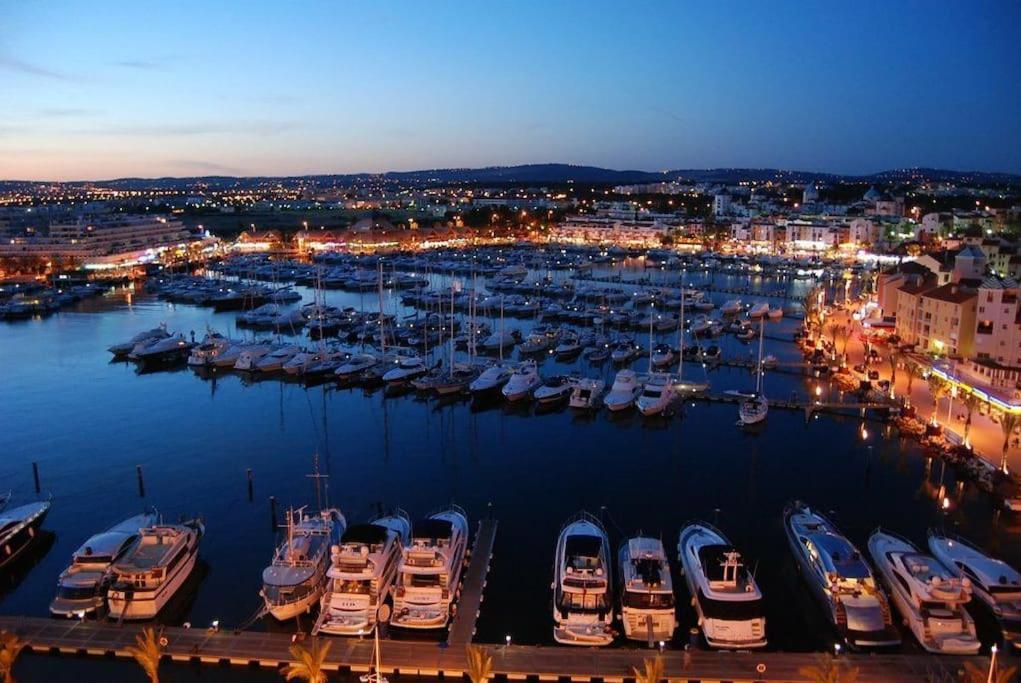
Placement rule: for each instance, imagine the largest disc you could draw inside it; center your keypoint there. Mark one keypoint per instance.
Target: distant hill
(540, 174)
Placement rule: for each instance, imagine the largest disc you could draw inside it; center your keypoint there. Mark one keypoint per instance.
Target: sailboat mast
(382, 330)
(758, 368)
(680, 335)
(501, 328)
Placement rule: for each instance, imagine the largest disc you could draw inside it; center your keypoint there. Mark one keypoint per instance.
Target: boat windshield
(352, 586)
(730, 610)
(422, 580)
(76, 592)
(595, 602)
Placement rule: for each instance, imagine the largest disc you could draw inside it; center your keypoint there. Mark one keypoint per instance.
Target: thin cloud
(151, 64)
(195, 129)
(66, 112)
(204, 166)
(9, 63)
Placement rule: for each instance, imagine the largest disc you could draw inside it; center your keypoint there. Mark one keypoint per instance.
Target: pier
(514, 662)
(462, 628)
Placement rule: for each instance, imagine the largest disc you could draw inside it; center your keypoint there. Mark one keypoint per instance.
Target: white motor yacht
(405, 369)
(626, 388)
(840, 579)
(646, 591)
(356, 365)
(153, 569)
(361, 575)
(587, 393)
(208, 349)
(568, 344)
(296, 578)
(251, 355)
(623, 351)
(929, 596)
(554, 389)
(491, 379)
(229, 355)
(732, 307)
(274, 360)
(522, 382)
(582, 588)
(657, 394)
(758, 310)
(19, 528)
(82, 586)
(162, 350)
(726, 597)
(662, 356)
(140, 340)
(993, 581)
(429, 574)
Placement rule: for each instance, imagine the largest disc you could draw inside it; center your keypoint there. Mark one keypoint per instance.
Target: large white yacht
(626, 388)
(295, 579)
(208, 349)
(356, 365)
(140, 341)
(81, 588)
(250, 356)
(429, 574)
(929, 596)
(555, 389)
(587, 393)
(839, 578)
(274, 360)
(725, 594)
(153, 569)
(993, 581)
(582, 589)
(646, 590)
(522, 382)
(405, 369)
(361, 575)
(657, 394)
(491, 379)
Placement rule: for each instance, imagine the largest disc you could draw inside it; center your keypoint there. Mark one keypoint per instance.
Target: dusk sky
(108, 89)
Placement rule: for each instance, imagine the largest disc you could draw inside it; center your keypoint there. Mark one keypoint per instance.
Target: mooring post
(35, 475)
(273, 512)
(250, 489)
(141, 481)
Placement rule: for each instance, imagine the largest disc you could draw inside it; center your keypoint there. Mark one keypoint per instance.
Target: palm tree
(894, 360)
(971, 402)
(973, 674)
(1008, 423)
(829, 670)
(480, 664)
(10, 647)
(308, 664)
(938, 388)
(914, 372)
(652, 671)
(148, 652)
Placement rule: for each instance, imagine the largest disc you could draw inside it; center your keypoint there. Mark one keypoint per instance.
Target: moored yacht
(993, 581)
(356, 365)
(140, 340)
(429, 574)
(626, 388)
(405, 369)
(361, 575)
(582, 590)
(839, 578)
(754, 409)
(296, 578)
(646, 591)
(587, 393)
(491, 379)
(554, 389)
(727, 598)
(657, 394)
(153, 569)
(19, 527)
(522, 382)
(758, 310)
(929, 596)
(274, 360)
(81, 588)
(731, 307)
(662, 356)
(208, 349)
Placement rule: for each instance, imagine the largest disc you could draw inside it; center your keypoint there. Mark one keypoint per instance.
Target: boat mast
(382, 330)
(680, 334)
(454, 286)
(758, 368)
(322, 490)
(501, 328)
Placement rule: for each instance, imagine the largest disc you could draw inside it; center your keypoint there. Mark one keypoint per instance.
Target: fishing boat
(929, 596)
(82, 586)
(429, 573)
(19, 527)
(994, 582)
(153, 569)
(646, 591)
(363, 567)
(840, 579)
(582, 588)
(726, 597)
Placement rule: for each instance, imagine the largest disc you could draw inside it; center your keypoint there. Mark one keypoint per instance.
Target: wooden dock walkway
(516, 662)
(676, 285)
(803, 405)
(462, 629)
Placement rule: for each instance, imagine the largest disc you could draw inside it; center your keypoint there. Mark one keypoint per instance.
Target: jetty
(431, 659)
(469, 604)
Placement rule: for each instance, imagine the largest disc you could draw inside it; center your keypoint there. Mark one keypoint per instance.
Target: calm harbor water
(89, 422)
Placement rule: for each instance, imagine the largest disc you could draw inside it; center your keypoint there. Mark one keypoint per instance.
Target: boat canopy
(838, 555)
(369, 534)
(433, 528)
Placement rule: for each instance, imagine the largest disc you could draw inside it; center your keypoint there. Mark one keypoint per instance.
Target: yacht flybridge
(295, 579)
(582, 592)
(153, 569)
(361, 575)
(646, 591)
(429, 573)
(726, 596)
(81, 588)
(993, 581)
(839, 578)
(929, 596)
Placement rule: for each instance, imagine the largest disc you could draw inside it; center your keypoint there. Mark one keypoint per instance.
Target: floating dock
(462, 628)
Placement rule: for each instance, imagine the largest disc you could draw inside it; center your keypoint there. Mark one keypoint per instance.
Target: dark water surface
(88, 423)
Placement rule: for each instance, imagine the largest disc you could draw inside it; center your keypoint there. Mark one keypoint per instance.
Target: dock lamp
(836, 649)
(508, 640)
(992, 661)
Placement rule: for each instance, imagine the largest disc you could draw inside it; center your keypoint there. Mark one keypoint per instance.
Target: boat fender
(163, 641)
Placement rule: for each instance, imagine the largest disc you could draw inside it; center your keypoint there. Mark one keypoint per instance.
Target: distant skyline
(116, 89)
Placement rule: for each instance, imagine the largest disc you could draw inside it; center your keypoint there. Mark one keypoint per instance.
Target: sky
(96, 90)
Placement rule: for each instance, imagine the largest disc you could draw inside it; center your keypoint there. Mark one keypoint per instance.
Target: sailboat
(682, 387)
(755, 407)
